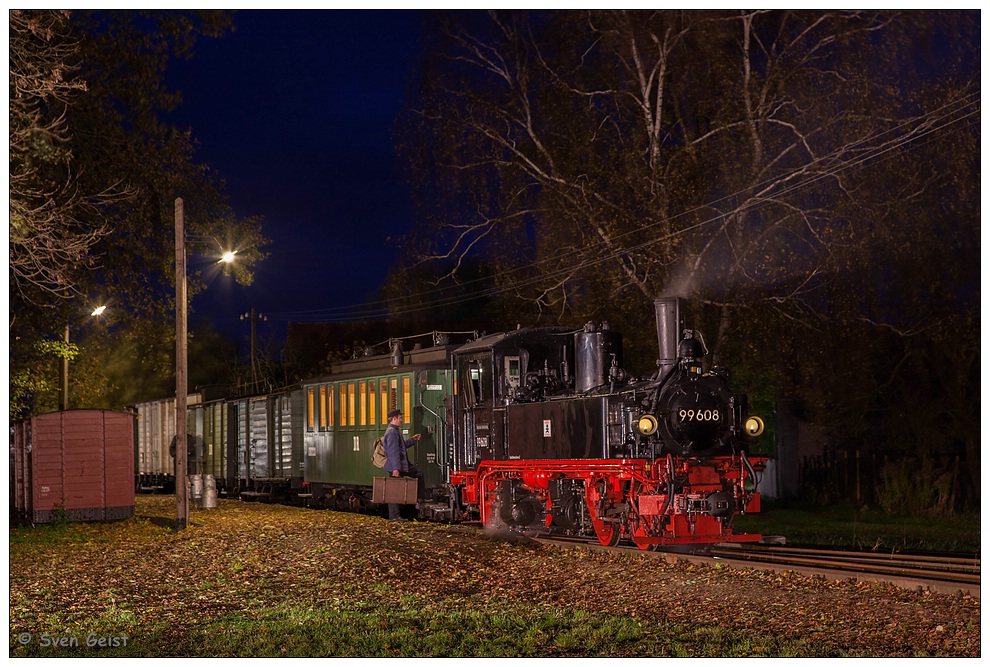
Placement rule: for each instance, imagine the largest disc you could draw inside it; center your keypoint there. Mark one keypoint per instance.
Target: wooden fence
(904, 483)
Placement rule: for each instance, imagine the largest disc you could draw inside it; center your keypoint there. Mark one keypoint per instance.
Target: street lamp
(65, 360)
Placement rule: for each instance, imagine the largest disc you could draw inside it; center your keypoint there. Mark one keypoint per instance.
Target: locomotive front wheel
(608, 533)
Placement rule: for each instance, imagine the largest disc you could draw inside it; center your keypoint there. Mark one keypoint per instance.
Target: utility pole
(181, 383)
(254, 316)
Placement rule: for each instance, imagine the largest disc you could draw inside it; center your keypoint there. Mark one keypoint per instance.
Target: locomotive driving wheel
(608, 532)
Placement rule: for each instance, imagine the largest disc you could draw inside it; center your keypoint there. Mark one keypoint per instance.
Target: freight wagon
(75, 465)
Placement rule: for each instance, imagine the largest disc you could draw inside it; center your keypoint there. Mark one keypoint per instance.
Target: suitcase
(399, 490)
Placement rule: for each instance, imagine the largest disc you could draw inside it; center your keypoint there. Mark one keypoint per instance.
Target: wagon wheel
(608, 532)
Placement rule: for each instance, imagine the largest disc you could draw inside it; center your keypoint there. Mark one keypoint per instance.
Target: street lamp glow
(98, 311)
(228, 257)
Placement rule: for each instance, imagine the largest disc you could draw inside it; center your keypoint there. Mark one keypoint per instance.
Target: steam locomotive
(533, 430)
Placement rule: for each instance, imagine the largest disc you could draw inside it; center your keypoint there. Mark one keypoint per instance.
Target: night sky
(295, 110)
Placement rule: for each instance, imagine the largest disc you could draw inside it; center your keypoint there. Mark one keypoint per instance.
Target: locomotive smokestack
(670, 324)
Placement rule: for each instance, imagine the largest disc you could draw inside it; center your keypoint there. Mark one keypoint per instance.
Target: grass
(414, 627)
(849, 527)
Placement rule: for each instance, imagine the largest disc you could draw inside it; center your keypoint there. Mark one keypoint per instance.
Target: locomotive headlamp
(647, 425)
(754, 426)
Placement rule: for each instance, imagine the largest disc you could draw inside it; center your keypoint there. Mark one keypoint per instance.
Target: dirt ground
(251, 551)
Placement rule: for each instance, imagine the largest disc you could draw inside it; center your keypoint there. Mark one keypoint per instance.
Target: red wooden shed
(76, 465)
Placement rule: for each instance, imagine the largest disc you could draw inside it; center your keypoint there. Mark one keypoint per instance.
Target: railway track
(945, 574)
(937, 572)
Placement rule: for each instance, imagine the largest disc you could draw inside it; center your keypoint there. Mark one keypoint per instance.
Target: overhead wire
(357, 313)
(903, 136)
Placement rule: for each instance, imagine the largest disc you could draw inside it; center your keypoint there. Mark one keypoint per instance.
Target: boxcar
(265, 444)
(251, 446)
(75, 465)
(155, 464)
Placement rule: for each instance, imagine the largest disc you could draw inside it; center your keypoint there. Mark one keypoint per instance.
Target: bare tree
(612, 156)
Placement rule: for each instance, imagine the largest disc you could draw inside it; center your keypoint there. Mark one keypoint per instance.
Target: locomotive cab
(542, 394)
(501, 369)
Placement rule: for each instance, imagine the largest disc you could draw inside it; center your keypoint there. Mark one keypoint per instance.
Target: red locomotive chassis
(671, 501)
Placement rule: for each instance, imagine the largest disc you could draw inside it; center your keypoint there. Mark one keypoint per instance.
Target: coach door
(432, 387)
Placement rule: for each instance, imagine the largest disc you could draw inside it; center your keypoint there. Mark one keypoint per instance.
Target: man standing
(397, 460)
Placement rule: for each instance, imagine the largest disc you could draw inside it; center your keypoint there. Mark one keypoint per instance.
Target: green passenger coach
(345, 412)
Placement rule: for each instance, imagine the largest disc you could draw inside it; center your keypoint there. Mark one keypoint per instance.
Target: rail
(964, 571)
(946, 574)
